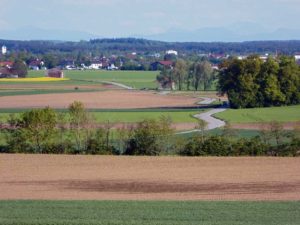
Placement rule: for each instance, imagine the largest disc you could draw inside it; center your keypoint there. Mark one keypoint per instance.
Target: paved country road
(212, 123)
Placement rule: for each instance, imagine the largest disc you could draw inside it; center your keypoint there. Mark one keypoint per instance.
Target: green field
(150, 213)
(136, 79)
(257, 115)
(131, 116)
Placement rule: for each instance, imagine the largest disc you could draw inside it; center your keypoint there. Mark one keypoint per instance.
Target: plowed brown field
(98, 100)
(148, 178)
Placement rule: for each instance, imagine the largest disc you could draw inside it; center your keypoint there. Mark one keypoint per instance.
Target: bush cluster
(45, 131)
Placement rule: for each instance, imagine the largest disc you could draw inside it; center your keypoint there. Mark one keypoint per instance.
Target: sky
(115, 18)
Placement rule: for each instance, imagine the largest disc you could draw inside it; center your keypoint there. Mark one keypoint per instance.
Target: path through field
(212, 123)
(148, 178)
(118, 85)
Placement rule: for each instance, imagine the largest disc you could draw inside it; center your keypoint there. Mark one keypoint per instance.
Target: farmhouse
(7, 73)
(7, 64)
(36, 64)
(56, 73)
(161, 64)
(96, 65)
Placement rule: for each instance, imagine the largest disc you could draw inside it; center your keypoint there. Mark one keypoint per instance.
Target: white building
(171, 52)
(112, 67)
(297, 56)
(95, 66)
(4, 50)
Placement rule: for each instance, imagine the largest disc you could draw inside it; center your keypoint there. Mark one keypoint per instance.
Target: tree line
(252, 82)
(45, 131)
(188, 75)
(118, 45)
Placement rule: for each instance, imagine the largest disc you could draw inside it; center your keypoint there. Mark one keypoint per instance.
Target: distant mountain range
(236, 33)
(33, 33)
(225, 35)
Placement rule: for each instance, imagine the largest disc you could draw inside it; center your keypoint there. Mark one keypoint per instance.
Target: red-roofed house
(7, 64)
(161, 64)
(7, 73)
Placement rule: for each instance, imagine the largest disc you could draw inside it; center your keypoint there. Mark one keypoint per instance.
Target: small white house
(297, 56)
(3, 50)
(172, 52)
(112, 67)
(95, 66)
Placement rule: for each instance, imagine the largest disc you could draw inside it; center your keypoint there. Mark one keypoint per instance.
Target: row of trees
(253, 83)
(74, 132)
(188, 75)
(99, 46)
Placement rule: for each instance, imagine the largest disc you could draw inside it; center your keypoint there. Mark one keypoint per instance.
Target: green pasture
(136, 79)
(45, 83)
(257, 115)
(130, 116)
(148, 213)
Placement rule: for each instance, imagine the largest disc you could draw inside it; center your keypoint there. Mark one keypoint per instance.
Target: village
(128, 61)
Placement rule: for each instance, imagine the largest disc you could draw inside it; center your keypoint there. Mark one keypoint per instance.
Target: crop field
(260, 115)
(62, 177)
(98, 100)
(150, 213)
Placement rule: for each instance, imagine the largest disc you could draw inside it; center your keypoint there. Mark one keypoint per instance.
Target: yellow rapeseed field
(33, 79)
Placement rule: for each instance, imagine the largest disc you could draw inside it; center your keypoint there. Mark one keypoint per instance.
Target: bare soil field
(98, 100)
(10, 87)
(148, 178)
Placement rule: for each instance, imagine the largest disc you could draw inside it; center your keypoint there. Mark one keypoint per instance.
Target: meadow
(135, 79)
(150, 213)
(128, 116)
(260, 115)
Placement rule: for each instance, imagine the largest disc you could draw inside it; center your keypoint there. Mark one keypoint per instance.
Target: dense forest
(141, 45)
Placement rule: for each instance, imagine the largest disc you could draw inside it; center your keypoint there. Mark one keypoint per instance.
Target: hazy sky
(128, 17)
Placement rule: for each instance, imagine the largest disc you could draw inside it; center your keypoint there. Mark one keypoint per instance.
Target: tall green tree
(289, 79)
(254, 83)
(19, 68)
(180, 72)
(166, 78)
(34, 129)
(203, 74)
(81, 125)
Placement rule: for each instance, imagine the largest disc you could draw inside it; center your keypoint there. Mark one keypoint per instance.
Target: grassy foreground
(257, 115)
(139, 213)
